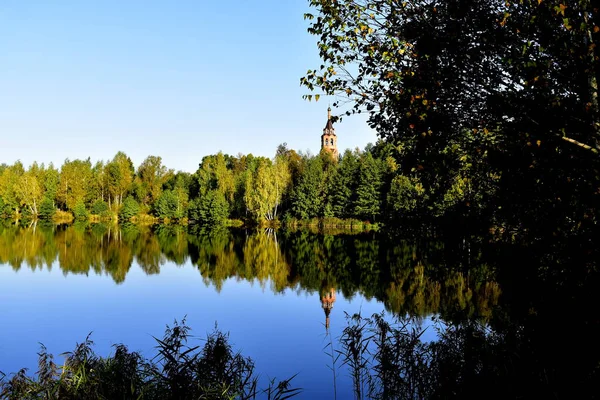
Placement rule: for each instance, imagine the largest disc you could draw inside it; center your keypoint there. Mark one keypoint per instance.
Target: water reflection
(414, 277)
(327, 300)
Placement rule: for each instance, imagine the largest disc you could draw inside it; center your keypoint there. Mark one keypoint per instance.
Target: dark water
(280, 293)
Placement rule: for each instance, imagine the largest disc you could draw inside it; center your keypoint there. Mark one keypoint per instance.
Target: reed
(177, 371)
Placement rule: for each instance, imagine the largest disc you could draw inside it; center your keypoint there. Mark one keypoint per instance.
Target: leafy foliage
(80, 212)
(100, 207)
(130, 209)
(491, 107)
(210, 209)
(168, 205)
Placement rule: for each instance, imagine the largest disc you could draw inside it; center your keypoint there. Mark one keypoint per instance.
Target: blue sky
(177, 79)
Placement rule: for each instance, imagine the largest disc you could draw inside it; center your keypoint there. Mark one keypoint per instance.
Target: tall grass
(177, 371)
(391, 360)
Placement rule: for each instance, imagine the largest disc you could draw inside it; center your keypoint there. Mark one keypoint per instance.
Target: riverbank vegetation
(179, 370)
(386, 358)
(294, 188)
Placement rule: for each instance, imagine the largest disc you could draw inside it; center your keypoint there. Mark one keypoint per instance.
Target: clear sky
(178, 79)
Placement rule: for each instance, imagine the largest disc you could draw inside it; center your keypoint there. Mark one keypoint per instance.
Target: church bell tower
(329, 138)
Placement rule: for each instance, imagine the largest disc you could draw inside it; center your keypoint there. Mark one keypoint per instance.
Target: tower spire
(329, 138)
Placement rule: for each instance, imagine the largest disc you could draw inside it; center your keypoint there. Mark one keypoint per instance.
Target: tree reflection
(409, 276)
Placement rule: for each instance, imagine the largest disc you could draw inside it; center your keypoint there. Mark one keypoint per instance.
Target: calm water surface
(278, 294)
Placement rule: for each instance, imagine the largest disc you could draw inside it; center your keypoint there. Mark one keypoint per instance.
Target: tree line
(292, 185)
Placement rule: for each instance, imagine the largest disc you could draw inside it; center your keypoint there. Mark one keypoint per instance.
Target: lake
(282, 295)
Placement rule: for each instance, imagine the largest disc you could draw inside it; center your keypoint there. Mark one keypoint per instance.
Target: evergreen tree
(367, 204)
(80, 212)
(307, 199)
(47, 209)
(343, 184)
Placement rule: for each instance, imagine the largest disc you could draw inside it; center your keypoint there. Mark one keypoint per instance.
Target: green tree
(47, 210)
(343, 186)
(405, 196)
(9, 182)
(151, 175)
(129, 209)
(211, 209)
(180, 183)
(367, 204)
(215, 173)
(119, 174)
(266, 187)
(75, 178)
(100, 207)
(29, 192)
(307, 198)
(168, 205)
(80, 212)
(51, 182)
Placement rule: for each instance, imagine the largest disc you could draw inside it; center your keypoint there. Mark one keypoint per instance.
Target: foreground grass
(384, 359)
(177, 371)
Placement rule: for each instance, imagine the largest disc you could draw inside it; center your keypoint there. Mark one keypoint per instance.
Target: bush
(167, 205)
(211, 209)
(100, 207)
(80, 212)
(62, 216)
(130, 208)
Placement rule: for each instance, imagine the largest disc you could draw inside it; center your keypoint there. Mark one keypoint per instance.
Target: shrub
(129, 209)
(100, 207)
(210, 209)
(80, 212)
(167, 205)
(62, 216)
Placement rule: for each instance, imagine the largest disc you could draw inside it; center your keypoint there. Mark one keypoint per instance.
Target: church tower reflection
(327, 300)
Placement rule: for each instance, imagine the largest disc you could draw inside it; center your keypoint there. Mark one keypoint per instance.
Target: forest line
(290, 186)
